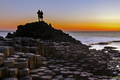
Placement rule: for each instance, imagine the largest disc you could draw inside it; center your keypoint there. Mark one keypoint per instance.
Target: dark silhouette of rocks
(43, 31)
(37, 51)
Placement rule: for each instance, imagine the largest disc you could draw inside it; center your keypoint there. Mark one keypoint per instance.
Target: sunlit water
(96, 37)
(100, 47)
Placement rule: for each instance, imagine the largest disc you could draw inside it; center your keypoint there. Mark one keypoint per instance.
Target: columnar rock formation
(36, 51)
(42, 31)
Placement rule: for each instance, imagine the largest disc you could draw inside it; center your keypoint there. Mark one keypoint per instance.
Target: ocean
(4, 33)
(91, 37)
(88, 38)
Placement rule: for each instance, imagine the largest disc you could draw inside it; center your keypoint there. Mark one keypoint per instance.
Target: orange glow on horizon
(73, 15)
(89, 27)
(69, 26)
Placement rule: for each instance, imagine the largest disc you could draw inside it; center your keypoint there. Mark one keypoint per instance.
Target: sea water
(89, 37)
(4, 33)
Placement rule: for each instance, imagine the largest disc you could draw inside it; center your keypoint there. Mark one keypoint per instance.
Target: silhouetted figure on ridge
(40, 15)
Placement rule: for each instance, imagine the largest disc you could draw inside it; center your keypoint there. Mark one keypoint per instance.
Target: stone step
(46, 77)
(15, 56)
(9, 63)
(25, 49)
(12, 72)
(23, 60)
(33, 49)
(2, 55)
(19, 53)
(32, 60)
(34, 71)
(25, 78)
(23, 72)
(48, 72)
(21, 64)
(12, 58)
(35, 77)
(4, 71)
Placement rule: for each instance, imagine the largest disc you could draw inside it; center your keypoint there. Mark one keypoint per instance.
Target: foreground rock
(36, 51)
(54, 61)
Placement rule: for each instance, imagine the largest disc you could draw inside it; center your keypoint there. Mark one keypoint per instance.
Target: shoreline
(53, 60)
(95, 37)
(37, 51)
(101, 45)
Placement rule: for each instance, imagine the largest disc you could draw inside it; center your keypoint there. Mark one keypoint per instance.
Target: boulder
(21, 64)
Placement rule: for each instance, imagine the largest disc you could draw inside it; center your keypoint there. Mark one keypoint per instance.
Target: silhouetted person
(40, 15)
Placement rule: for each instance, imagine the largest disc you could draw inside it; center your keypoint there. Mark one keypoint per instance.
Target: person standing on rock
(40, 15)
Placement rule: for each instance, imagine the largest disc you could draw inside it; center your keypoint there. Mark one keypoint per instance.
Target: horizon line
(75, 30)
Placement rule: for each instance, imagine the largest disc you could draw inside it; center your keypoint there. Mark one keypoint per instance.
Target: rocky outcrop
(37, 51)
(24, 58)
(43, 31)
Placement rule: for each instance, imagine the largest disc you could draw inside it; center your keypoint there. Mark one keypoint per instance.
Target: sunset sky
(68, 15)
